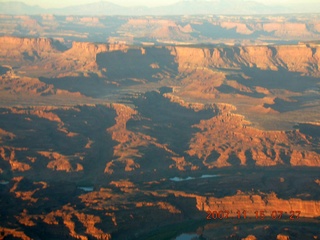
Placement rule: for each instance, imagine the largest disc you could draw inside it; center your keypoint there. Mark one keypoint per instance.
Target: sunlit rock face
(128, 139)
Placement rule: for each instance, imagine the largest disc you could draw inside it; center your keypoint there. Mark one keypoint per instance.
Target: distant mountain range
(186, 7)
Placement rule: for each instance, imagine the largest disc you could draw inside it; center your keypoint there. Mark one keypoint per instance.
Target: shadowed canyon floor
(92, 136)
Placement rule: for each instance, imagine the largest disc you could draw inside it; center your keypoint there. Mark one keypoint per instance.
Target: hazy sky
(150, 3)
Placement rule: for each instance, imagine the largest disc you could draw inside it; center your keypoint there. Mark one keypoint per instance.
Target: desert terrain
(109, 131)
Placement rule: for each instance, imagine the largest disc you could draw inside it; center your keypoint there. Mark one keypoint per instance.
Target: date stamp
(261, 214)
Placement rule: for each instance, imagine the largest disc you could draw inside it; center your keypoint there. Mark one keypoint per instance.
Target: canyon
(92, 131)
(166, 30)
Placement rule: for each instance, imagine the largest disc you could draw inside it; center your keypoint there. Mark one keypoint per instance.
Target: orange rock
(282, 237)
(286, 29)
(127, 151)
(122, 184)
(240, 27)
(59, 162)
(295, 58)
(267, 203)
(6, 135)
(68, 214)
(181, 164)
(7, 232)
(250, 237)
(217, 145)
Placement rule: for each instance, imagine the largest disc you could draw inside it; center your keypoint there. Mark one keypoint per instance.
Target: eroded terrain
(166, 30)
(114, 141)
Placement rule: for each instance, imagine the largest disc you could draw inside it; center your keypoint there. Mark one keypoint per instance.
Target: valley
(94, 129)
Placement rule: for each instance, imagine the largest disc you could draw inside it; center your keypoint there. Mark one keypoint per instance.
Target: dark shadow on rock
(249, 159)
(91, 86)
(309, 129)
(49, 231)
(285, 157)
(33, 132)
(281, 79)
(59, 46)
(168, 122)
(234, 160)
(278, 80)
(312, 132)
(212, 31)
(282, 106)
(230, 90)
(30, 57)
(214, 155)
(164, 90)
(150, 64)
(89, 123)
(3, 70)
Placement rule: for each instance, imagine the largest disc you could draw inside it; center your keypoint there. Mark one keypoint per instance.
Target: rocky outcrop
(15, 84)
(127, 151)
(195, 106)
(41, 112)
(5, 135)
(161, 205)
(7, 232)
(11, 45)
(241, 144)
(71, 217)
(22, 51)
(122, 135)
(82, 56)
(8, 154)
(239, 27)
(250, 237)
(287, 29)
(24, 194)
(282, 237)
(60, 162)
(252, 203)
(48, 57)
(294, 58)
(86, 50)
(304, 158)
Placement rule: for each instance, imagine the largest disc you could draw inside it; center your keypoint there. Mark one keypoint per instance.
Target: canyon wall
(252, 203)
(294, 58)
(48, 57)
(82, 56)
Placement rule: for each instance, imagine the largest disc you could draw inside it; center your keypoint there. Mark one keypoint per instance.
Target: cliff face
(40, 53)
(17, 51)
(296, 58)
(286, 29)
(80, 57)
(38, 44)
(48, 57)
(157, 29)
(14, 84)
(253, 203)
(89, 51)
